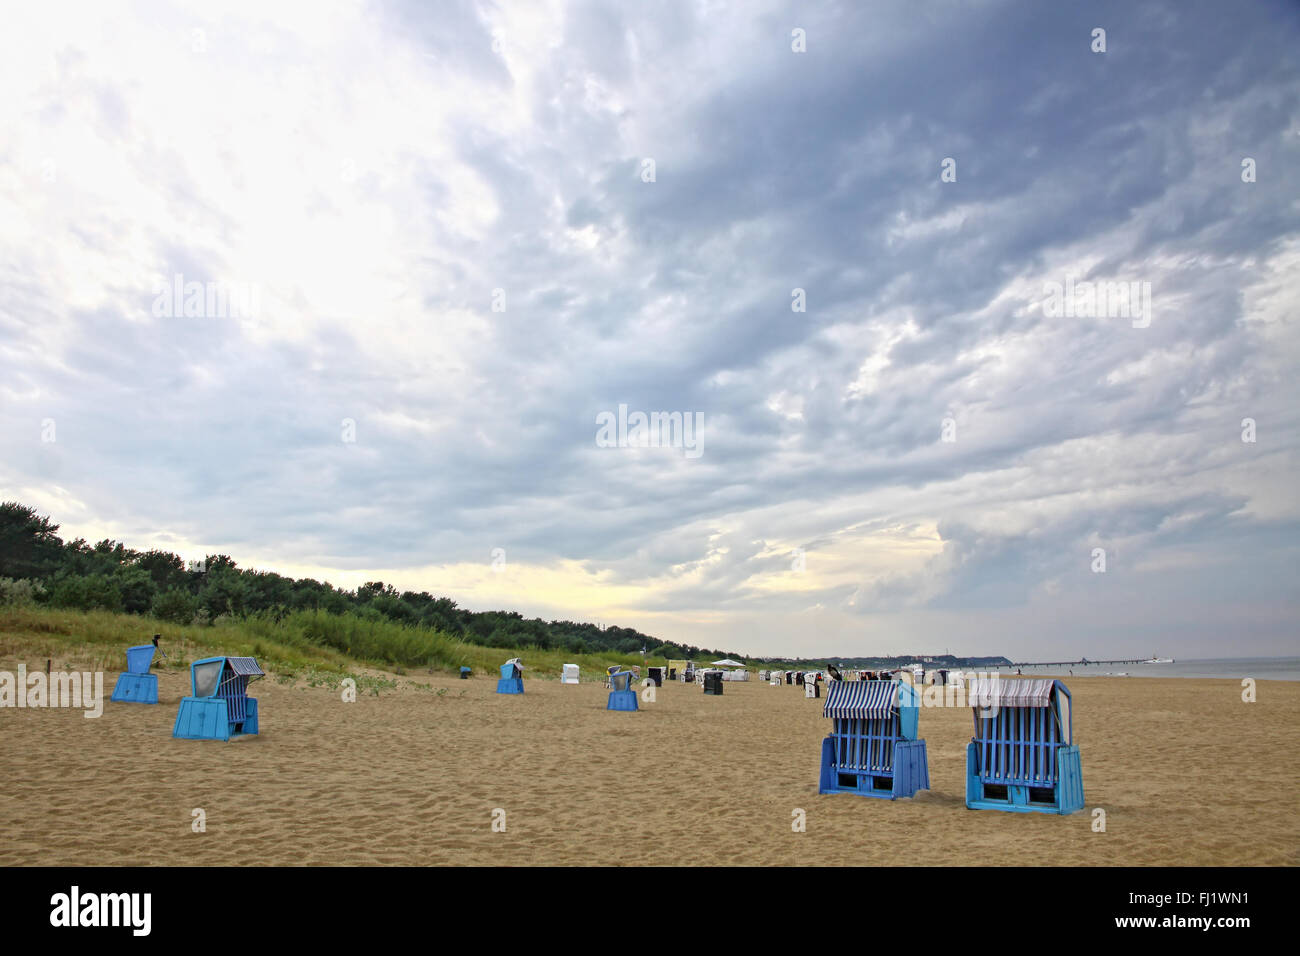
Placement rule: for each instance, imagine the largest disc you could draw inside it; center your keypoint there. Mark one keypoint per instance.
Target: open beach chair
(136, 685)
(621, 695)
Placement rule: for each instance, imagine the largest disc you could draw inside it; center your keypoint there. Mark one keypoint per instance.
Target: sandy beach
(1186, 772)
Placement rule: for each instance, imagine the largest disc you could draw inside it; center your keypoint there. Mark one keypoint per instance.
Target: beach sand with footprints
(1185, 771)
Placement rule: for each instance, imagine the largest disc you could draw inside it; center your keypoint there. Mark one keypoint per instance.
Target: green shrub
(86, 593)
(175, 605)
(137, 588)
(21, 593)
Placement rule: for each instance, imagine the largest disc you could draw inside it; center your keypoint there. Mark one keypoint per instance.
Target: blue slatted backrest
(866, 724)
(1018, 745)
(865, 743)
(234, 690)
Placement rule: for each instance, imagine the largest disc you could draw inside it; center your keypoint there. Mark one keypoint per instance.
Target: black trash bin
(713, 684)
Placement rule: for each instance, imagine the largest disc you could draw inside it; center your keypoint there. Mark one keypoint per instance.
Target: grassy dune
(310, 645)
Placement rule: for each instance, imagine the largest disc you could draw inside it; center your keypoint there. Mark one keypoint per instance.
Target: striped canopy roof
(861, 698)
(993, 692)
(245, 666)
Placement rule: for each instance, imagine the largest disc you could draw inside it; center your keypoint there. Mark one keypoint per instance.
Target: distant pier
(1079, 663)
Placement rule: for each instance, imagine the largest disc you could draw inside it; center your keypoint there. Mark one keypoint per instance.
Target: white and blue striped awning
(861, 698)
(987, 692)
(245, 666)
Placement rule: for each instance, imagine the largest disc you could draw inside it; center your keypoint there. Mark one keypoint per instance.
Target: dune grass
(311, 644)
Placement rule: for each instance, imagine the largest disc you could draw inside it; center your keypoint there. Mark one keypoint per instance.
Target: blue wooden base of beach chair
(250, 721)
(208, 718)
(622, 700)
(1065, 796)
(911, 768)
(510, 685)
(911, 773)
(136, 689)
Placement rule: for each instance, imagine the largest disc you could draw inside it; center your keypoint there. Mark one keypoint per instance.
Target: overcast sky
(456, 258)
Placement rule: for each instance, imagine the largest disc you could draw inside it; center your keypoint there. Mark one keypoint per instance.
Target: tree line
(37, 565)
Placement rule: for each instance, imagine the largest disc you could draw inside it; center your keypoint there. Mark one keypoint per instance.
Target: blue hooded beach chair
(872, 749)
(512, 679)
(1022, 757)
(219, 707)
